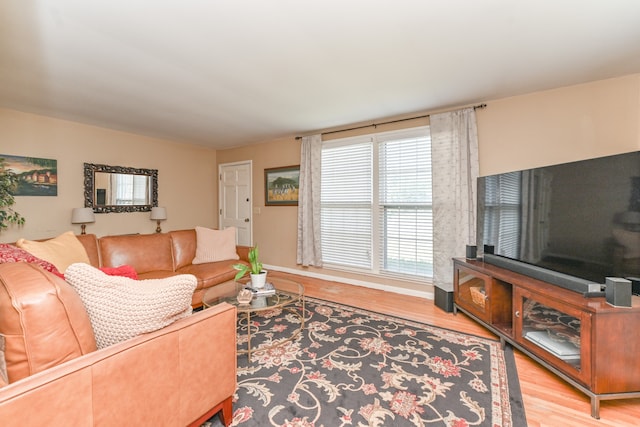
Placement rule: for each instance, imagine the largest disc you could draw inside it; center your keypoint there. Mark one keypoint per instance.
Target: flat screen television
(570, 224)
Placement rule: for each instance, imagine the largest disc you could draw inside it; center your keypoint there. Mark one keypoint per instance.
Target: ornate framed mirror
(119, 189)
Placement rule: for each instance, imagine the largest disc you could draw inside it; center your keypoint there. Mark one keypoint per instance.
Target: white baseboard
(372, 285)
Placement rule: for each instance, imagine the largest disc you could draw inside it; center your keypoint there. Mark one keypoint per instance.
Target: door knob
(246, 220)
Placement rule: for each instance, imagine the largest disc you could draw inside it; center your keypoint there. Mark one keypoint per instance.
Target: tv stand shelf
(585, 341)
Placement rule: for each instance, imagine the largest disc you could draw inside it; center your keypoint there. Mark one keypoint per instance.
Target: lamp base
(158, 229)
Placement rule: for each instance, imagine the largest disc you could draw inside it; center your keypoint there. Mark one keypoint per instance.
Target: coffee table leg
(249, 336)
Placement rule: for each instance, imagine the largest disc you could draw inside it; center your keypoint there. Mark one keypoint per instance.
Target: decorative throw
(11, 253)
(121, 308)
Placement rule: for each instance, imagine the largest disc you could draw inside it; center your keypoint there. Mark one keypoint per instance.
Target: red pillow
(11, 253)
(123, 270)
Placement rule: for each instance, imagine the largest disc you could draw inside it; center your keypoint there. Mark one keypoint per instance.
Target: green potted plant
(258, 275)
(8, 184)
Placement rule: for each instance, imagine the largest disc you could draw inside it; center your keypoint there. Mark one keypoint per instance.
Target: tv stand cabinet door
(472, 291)
(563, 333)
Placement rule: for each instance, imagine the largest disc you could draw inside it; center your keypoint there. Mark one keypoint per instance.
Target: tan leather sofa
(160, 255)
(179, 375)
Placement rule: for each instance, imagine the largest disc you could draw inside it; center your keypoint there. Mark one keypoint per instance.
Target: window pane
(140, 189)
(346, 204)
(130, 189)
(502, 212)
(408, 240)
(346, 236)
(405, 171)
(405, 200)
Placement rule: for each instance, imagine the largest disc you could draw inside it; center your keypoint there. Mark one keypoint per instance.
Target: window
(376, 211)
(130, 189)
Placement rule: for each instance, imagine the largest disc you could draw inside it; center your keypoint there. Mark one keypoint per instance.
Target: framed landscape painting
(37, 177)
(281, 186)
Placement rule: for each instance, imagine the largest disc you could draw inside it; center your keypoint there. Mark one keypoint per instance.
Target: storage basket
(477, 295)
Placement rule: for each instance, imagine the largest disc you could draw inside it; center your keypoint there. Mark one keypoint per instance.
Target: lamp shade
(82, 216)
(158, 213)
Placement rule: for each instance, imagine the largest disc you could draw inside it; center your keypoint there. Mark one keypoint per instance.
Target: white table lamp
(158, 214)
(82, 216)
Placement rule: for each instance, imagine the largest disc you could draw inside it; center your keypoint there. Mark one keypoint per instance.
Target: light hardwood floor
(548, 401)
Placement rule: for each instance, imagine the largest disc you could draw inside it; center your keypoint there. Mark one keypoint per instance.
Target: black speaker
(488, 249)
(472, 252)
(443, 299)
(618, 291)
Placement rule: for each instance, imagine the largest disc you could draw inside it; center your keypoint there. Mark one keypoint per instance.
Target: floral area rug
(352, 367)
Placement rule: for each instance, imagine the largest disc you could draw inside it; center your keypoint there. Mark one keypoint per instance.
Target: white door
(235, 199)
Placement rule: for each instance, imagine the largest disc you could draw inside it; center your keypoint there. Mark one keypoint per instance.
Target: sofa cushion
(144, 252)
(42, 319)
(121, 308)
(215, 245)
(11, 253)
(212, 273)
(183, 243)
(90, 243)
(60, 251)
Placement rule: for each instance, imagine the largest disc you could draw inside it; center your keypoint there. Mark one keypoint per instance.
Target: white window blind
(376, 203)
(346, 213)
(405, 205)
(502, 216)
(130, 189)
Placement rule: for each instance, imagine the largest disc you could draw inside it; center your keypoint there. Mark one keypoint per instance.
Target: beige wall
(560, 125)
(187, 183)
(555, 126)
(566, 124)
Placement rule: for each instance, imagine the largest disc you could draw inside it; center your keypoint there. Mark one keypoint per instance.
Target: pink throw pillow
(123, 270)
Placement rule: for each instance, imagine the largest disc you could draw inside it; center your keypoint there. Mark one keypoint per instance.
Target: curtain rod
(475, 107)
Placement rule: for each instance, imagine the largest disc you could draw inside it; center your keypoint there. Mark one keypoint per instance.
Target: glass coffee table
(288, 295)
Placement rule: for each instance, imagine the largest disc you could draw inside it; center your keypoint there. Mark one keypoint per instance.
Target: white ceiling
(224, 73)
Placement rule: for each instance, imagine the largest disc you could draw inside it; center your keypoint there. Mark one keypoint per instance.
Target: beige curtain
(454, 153)
(309, 250)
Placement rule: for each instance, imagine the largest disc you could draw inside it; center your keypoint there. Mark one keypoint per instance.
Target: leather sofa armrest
(173, 376)
(243, 252)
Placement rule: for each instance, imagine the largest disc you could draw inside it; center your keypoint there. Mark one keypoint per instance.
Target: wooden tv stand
(585, 341)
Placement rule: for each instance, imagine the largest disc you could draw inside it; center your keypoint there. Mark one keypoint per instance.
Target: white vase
(258, 280)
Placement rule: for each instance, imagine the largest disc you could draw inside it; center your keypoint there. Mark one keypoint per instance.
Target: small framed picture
(281, 186)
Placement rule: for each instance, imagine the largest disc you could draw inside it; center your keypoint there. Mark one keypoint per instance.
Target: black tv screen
(580, 219)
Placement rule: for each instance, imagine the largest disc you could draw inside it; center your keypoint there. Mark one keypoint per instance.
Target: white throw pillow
(121, 308)
(215, 245)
